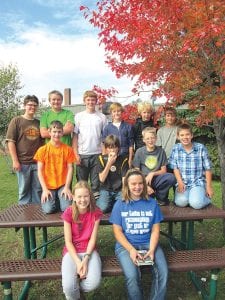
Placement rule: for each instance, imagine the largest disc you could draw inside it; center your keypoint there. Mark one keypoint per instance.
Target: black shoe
(163, 202)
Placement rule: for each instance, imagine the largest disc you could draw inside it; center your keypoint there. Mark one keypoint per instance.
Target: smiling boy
(23, 139)
(55, 169)
(192, 169)
(56, 112)
(152, 161)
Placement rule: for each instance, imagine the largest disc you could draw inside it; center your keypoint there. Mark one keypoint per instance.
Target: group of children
(128, 166)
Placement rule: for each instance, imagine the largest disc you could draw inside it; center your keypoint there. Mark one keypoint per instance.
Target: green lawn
(207, 234)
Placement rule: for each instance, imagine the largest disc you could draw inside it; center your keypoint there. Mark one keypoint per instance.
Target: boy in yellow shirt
(55, 169)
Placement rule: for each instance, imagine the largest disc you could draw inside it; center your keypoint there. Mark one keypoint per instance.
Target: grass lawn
(207, 234)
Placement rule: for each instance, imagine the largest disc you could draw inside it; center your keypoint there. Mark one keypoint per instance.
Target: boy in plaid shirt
(192, 168)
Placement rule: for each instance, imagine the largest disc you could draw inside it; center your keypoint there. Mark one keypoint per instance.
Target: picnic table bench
(31, 216)
(212, 260)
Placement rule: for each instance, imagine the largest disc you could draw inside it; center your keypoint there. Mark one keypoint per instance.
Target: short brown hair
(125, 190)
(30, 98)
(184, 126)
(170, 110)
(112, 141)
(56, 124)
(90, 94)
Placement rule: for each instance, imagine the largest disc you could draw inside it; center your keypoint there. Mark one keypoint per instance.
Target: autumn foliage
(178, 44)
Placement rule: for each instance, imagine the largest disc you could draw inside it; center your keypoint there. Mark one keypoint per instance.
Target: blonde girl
(81, 264)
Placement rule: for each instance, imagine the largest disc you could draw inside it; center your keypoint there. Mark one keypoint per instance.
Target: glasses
(32, 105)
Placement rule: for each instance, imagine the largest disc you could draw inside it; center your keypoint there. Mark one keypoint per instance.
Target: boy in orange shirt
(55, 169)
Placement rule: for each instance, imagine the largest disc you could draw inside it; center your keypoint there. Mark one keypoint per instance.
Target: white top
(89, 127)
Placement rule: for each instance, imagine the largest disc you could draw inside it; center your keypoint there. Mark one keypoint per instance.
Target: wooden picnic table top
(31, 215)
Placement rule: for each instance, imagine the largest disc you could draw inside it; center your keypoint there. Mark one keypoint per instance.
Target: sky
(54, 47)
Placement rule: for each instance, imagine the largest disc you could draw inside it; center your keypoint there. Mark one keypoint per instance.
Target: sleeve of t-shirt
(115, 217)
(43, 120)
(125, 167)
(98, 214)
(158, 216)
(159, 140)
(12, 133)
(100, 167)
(131, 136)
(76, 121)
(105, 132)
(67, 215)
(164, 158)
(70, 117)
(136, 161)
(71, 156)
(39, 155)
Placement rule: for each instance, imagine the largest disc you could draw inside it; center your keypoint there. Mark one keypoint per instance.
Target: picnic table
(30, 216)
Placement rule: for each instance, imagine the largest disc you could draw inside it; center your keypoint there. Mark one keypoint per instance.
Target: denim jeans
(194, 196)
(133, 275)
(89, 167)
(107, 199)
(28, 184)
(57, 202)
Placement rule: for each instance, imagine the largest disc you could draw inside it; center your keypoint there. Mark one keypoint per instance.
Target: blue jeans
(194, 196)
(57, 202)
(28, 184)
(107, 199)
(133, 275)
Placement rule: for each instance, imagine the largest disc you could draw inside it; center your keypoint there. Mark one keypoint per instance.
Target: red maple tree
(177, 44)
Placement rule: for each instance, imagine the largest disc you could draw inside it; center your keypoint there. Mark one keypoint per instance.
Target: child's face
(55, 134)
(146, 114)
(170, 118)
(149, 139)
(185, 137)
(116, 115)
(90, 103)
(31, 107)
(135, 186)
(56, 102)
(82, 199)
(112, 150)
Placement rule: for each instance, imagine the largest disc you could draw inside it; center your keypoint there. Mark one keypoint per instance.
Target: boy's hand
(209, 191)
(181, 187)
(16, 166)
(67, 193)
(149, 177)
(150, 190)
(112, 157)
(45, 196)
(78, 159)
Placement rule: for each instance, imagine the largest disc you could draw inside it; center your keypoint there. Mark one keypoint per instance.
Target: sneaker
(163, 203)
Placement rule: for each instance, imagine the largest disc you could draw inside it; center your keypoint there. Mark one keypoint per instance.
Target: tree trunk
(218, 125)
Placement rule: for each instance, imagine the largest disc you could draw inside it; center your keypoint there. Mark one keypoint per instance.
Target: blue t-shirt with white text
(136, 219)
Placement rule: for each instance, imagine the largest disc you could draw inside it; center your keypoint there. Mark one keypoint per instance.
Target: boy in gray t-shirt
(167, 134)
(152, 161)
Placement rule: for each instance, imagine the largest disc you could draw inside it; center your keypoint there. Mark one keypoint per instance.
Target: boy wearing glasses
(23, 139)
